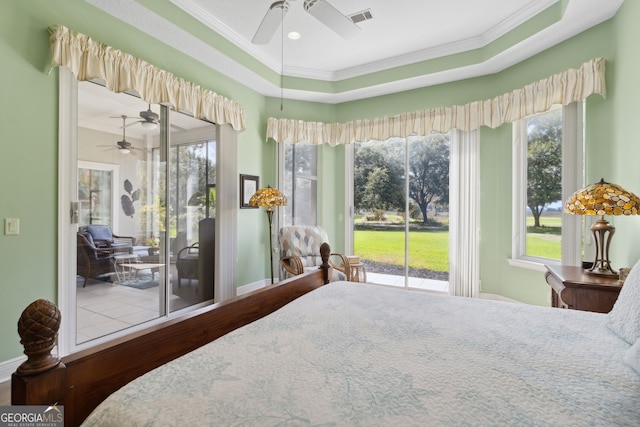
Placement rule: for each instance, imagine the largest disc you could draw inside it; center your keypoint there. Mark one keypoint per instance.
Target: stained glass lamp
(269, 197)
(602, 198)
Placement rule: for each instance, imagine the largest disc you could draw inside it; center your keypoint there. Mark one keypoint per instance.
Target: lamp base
(602, 234)
(602, 272)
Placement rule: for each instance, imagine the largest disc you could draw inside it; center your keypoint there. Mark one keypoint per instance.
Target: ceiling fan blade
(331, 17)
(270, 23)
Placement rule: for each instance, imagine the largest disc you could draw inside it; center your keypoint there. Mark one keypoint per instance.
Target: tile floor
(105, 307)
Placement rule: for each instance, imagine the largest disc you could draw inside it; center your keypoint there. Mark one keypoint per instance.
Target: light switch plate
(11, 226)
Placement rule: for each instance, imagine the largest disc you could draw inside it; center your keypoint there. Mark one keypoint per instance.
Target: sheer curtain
(464, 214)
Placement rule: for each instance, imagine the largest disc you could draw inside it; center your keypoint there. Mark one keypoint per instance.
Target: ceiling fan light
(124, 150)
(294, 35)
(149, 125)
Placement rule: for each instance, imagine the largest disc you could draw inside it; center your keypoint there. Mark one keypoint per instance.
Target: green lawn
(545, 241)
(430, 249)
(427, 249)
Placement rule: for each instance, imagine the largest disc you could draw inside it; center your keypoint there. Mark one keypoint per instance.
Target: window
(547, 168)
(300, 183)
(96, 184)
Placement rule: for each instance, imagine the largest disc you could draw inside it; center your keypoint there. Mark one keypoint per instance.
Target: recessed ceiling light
(294, 35)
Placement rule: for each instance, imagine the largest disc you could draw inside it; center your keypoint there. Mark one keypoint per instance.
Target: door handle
(74, 213)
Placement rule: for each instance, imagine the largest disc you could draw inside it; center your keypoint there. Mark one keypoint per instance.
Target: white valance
(564, 88)
(89, 59)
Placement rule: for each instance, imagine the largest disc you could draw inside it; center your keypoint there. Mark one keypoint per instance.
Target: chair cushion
(102, 232)
(302, 241)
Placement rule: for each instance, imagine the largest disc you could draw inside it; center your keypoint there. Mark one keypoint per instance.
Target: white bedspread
(353, 354)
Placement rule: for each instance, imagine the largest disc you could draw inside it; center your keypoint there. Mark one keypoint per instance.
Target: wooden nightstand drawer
(574, 289)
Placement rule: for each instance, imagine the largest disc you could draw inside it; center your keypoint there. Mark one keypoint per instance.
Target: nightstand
(574, 289)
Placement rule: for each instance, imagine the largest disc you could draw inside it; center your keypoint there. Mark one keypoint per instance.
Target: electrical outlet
(11, 226)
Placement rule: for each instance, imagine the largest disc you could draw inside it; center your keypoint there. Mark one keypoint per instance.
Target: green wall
(29, 135)
(29, 128)
(622, 144)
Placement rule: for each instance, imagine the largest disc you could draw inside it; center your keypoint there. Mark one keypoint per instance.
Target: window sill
(538, 265)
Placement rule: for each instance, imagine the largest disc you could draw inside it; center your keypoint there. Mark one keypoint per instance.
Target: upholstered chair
(300, 252)
(93, 261)
(103, 237)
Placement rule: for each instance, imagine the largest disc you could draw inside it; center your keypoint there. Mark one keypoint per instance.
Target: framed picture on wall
(249, 184)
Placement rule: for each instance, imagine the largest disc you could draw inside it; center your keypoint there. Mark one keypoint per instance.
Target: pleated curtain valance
(89, 59)
(564, 88)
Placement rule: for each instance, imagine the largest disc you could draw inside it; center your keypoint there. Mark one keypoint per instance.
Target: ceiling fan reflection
(123, 146)
(149, 118)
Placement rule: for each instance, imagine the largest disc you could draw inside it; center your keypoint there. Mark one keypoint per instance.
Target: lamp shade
(268, 196)
(602, 198)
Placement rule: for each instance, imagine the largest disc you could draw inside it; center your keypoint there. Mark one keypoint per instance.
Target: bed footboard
(81, 381)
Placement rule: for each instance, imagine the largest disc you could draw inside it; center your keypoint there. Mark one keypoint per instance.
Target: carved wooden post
(325, 253)
(38, 329)
(40, 380)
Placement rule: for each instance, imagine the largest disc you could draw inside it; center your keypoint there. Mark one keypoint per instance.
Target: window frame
(572, 179)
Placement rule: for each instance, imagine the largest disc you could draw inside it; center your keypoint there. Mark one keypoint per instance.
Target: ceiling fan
(124, 146)
(322, 10)
(149, 119)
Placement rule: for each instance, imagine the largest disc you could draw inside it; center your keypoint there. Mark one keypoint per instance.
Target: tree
(429, 171)
(544, 162)
(378, 177)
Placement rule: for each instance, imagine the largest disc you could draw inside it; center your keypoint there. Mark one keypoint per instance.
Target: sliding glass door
(146, 206)
(400, 221)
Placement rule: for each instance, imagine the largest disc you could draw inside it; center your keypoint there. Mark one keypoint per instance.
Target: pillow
(102, 232)
(632, 356)
(624, 318)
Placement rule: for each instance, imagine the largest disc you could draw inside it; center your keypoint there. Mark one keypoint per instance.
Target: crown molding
(579, 15)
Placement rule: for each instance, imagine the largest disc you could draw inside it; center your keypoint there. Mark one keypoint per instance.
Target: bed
(359, 354)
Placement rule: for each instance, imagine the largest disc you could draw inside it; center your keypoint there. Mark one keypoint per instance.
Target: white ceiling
(401, 32)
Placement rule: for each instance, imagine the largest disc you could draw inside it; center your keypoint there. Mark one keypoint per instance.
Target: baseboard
(250, 287)
(8, 367)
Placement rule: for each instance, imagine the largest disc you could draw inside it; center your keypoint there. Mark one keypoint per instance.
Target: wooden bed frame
(81, 381)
